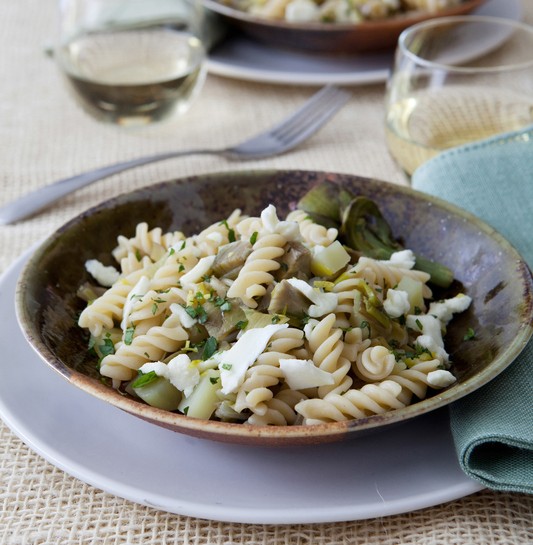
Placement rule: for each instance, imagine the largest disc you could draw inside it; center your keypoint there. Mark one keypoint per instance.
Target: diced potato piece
(203, 400)
(414, 289)
(329, 260)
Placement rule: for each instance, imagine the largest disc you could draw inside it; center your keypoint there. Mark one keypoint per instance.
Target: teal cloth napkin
(493, 427)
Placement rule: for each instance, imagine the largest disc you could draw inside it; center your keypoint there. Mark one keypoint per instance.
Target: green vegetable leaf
(144, 379)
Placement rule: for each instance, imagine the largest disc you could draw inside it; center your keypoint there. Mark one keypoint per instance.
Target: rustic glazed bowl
(486, 265)
(330, 37)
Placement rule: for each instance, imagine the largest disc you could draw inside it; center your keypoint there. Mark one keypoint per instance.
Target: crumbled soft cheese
(198, 271)
(324, 303)
(139, 290)
(425, 341)
(444, 310)
(105, 276)
(440, 378)
(404, 259)
(427, 325)
(397, 303)
(234, 363)
(183, 374)
(301, 374)
(186, 320)
(301, 11)
(158, 367)
(179, 371)
(431, 337)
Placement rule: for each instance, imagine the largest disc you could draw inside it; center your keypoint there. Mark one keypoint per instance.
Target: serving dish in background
(489, 269)
(330, 37)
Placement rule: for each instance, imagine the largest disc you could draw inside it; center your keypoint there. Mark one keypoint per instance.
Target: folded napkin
(493, 427)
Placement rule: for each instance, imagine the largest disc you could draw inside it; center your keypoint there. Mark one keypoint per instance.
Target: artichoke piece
(230, 259)
(362, 227)
(287, 300)
(325, 202)
(222, 323)
(295, 262)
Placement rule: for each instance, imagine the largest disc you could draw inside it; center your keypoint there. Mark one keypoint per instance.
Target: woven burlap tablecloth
(44, 137)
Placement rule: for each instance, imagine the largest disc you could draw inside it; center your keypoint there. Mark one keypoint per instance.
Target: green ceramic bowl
(487, 266)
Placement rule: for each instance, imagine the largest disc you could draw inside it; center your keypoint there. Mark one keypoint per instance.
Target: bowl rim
(239, 433)
(388, 24)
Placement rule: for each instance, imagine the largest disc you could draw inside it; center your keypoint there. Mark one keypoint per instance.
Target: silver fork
(292, 131)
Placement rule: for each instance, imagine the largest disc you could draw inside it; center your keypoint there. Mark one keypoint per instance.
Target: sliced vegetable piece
(158, 392)
(329, 260)
(203, 400)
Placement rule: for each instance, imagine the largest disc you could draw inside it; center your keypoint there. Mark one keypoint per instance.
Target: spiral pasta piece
(326, 347)
(174, 266)
(279, 410)
(152, 346)
(255, 275)
(313, 233)
(105, 310)
(355, 403)
(152, 243)
(385, 276)
(413, 380)
(375, 363)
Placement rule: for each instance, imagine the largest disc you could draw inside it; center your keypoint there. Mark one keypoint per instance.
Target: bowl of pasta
(333, 26)
(276, 307)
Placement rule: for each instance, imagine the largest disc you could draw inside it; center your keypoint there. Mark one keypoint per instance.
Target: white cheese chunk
(404, 259)
(183, 374)
(180, 371)
(324, 303)
(234, 363)
(444, 310)
(301, 11)
(440, 378)
(301, 374)
(397, 303)
(105, 276)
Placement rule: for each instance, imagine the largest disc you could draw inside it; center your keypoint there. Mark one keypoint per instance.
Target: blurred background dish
(240, 56)
(330, 37)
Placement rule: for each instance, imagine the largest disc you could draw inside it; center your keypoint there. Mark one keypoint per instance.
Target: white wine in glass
(457, 80)
(134, 71)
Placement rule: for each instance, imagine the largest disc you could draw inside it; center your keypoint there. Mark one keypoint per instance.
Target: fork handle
(41, 198)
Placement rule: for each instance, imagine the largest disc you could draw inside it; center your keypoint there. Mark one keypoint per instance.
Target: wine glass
(456, 80)
(132, 62)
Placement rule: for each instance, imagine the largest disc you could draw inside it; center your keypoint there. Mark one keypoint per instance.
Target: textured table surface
(44, 137)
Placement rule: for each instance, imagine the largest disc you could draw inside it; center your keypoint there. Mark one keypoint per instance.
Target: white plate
(408, 467)
(240, 57)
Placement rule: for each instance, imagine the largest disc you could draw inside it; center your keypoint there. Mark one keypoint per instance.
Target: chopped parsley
(227, 366)
(231, 232)
(241, 324)
(128, 335)
(469, 335)
(253, 238)
(144, 379)
(210, 348)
